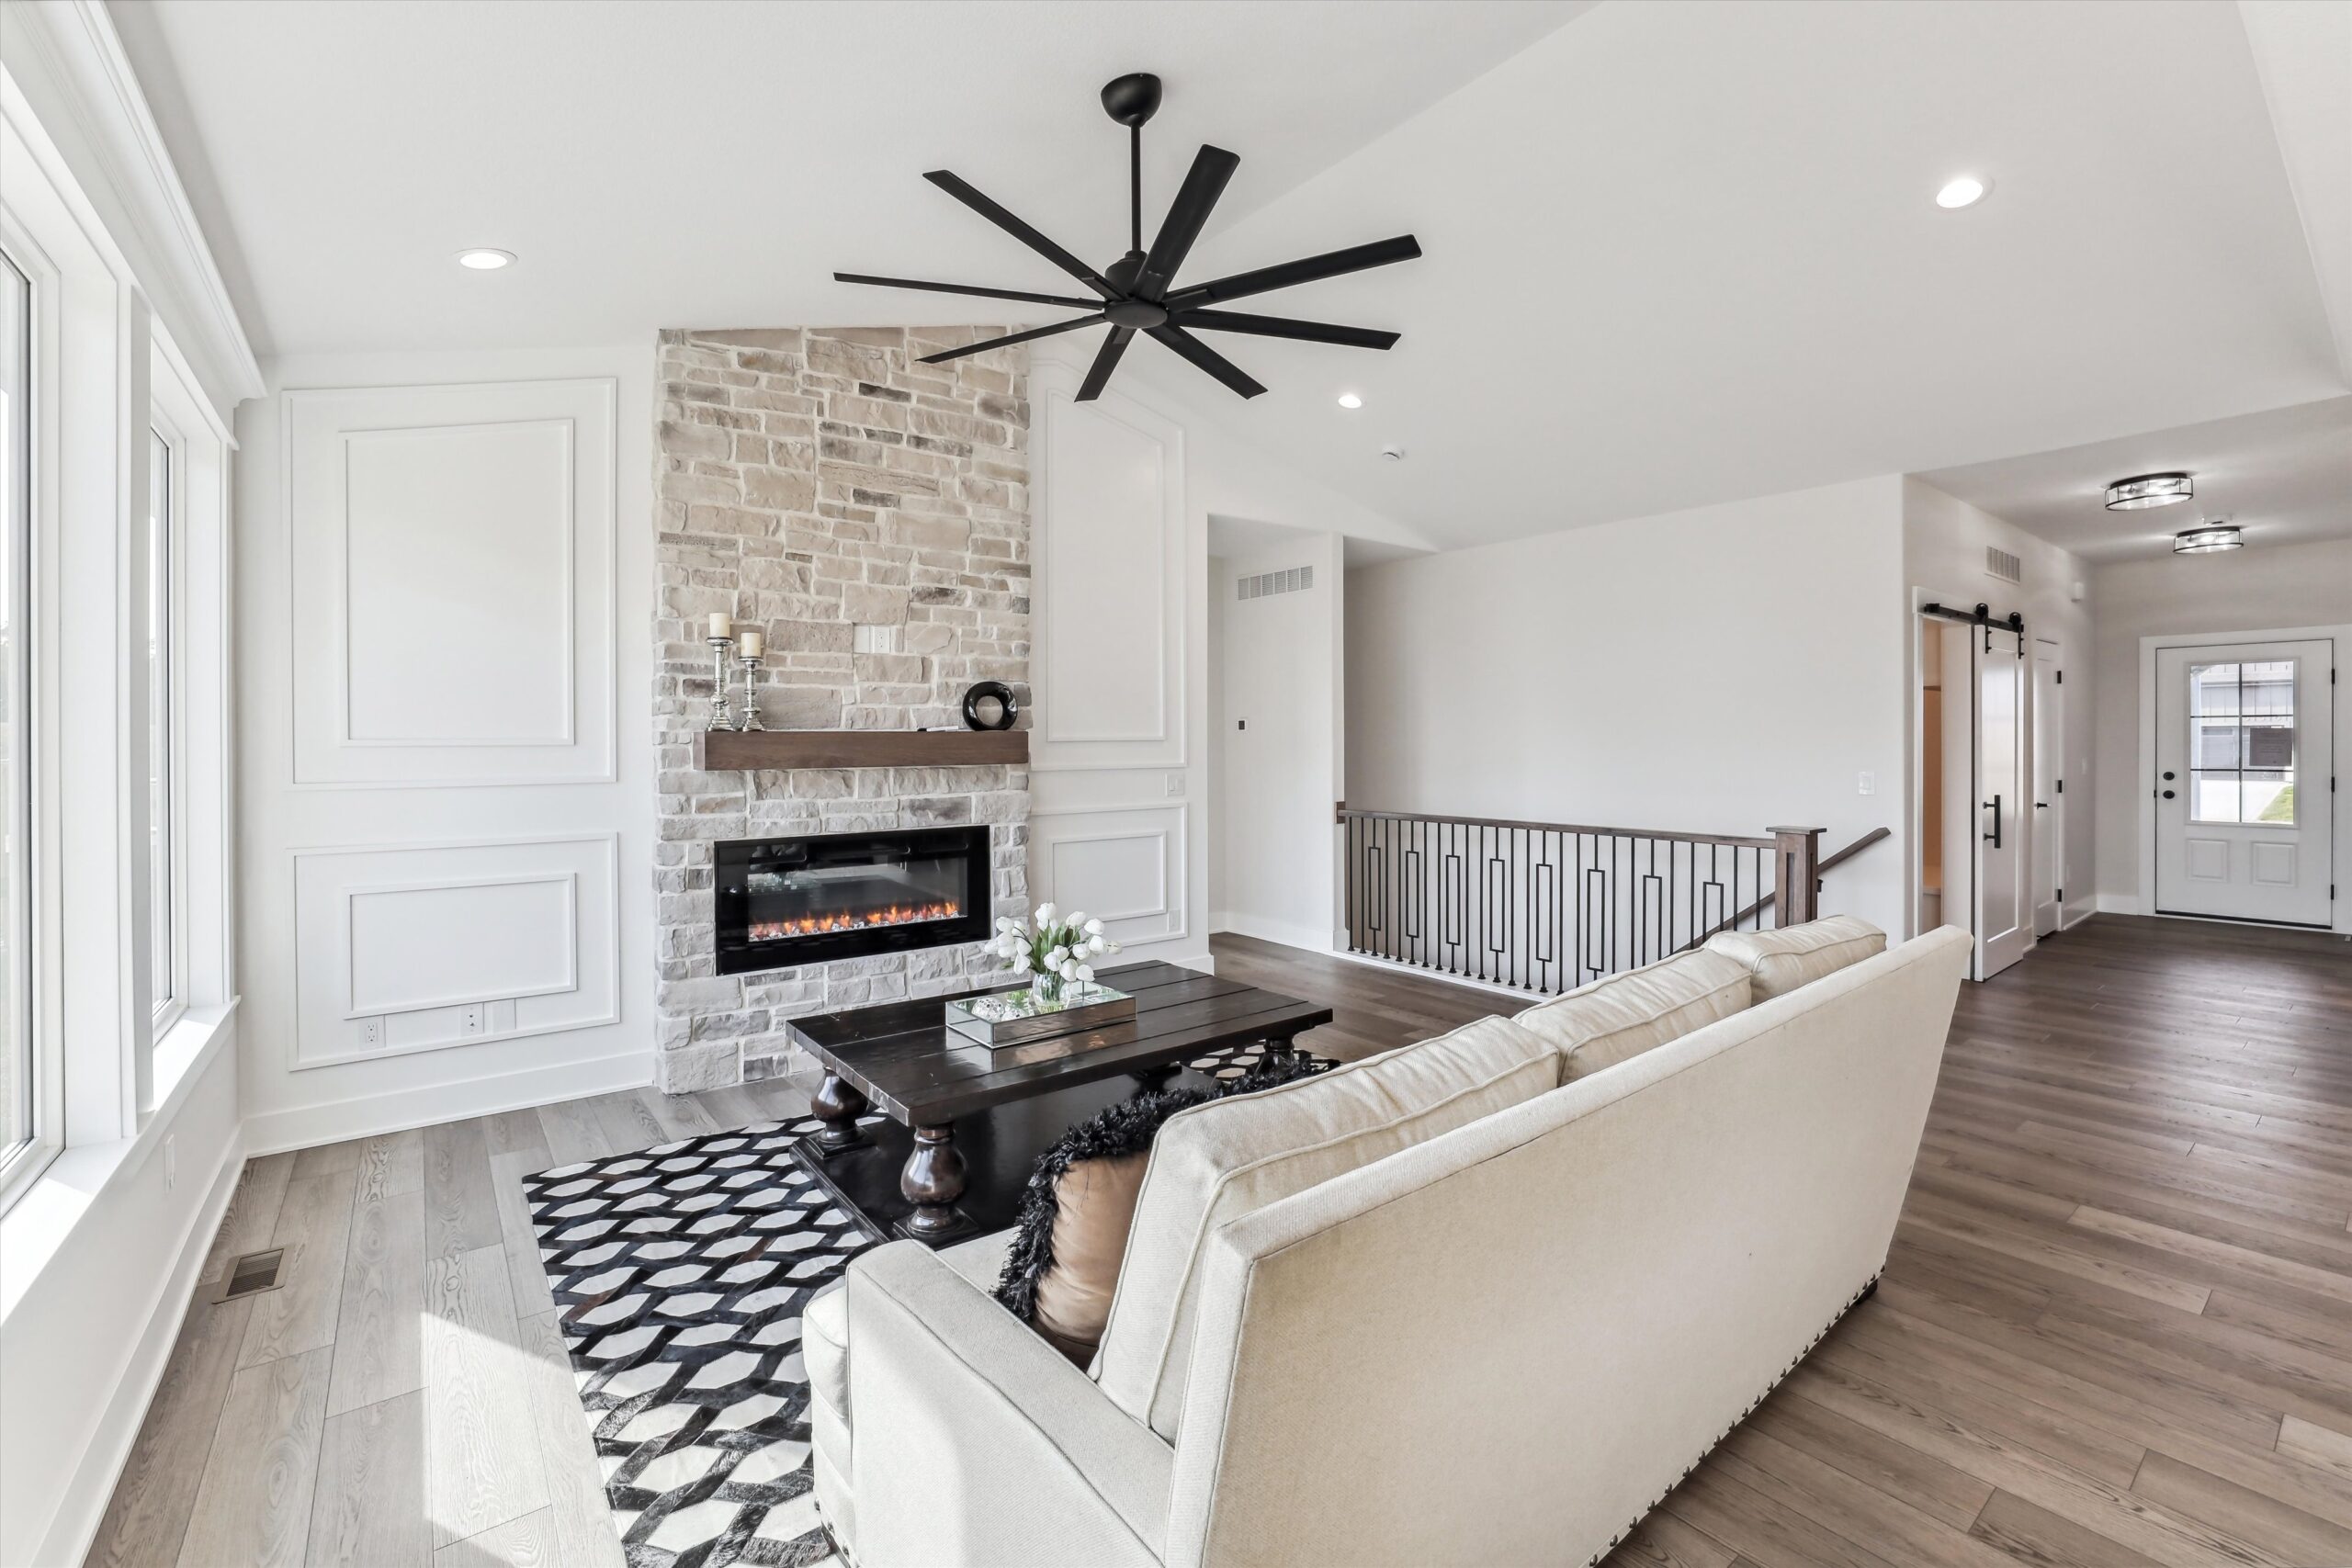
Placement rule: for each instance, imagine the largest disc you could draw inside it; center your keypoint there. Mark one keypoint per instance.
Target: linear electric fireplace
(782, 902)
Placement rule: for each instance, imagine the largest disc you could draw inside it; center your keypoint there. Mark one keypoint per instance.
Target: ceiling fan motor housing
(1132, 99)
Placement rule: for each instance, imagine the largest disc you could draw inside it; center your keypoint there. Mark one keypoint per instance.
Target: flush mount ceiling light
(2207, 537)
(1350, 400)
(1138, 293)
(1967, 190)
(2143, 491)
(484, 259)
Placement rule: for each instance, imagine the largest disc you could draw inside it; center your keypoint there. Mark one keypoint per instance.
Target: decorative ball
(991, 704)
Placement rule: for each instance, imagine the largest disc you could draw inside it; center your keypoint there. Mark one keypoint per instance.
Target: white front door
(2047, 827)
(2004, 901)
(2244, 759)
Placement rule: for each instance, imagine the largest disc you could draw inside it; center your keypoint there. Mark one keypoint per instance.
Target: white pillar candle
(751, 646)
(720, 624)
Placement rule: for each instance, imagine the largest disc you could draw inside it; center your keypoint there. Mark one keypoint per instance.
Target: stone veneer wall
(871, 515)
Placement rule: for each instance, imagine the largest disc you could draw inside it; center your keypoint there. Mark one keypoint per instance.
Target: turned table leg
(932, 1181)
(838, 1104)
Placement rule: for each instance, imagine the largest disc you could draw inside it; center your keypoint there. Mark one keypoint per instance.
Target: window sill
(50, 1208)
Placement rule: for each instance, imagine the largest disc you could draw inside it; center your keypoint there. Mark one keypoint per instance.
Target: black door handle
(2041, 805)
(2167, 795)
(2168, 778)
(1993, 805)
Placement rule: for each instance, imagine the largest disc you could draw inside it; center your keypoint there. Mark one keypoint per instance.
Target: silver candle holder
(722, 716)
(750, 718)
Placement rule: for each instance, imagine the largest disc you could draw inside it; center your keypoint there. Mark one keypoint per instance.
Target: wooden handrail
(1342, 814)
(1827, 863)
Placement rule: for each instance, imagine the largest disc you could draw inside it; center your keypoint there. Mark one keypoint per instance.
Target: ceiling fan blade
(1095, 319)
(1014, 226)
(1355, 258)
(965, 288)
(1206, 358)
(1204, 183)
(1282, 326)
(1106, 359)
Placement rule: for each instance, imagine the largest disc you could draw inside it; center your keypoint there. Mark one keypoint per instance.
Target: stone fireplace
(870, 515)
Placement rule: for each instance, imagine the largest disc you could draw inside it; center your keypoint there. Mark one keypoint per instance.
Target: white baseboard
(366, 1116)
(2120, 904)
(2069, 918)
(82, 1508)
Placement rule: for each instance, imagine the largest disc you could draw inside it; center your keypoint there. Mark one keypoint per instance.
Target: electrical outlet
(371, 1033)
(1175, 785)
(171, 1162)
(474, 1019)
(1866, 784)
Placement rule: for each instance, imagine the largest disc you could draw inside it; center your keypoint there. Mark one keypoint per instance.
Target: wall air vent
(2003, 565)
(1266, 583)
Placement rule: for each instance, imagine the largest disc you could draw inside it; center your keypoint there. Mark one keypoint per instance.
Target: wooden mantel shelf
(728, 749)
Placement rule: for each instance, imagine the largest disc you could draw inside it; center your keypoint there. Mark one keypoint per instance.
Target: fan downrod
(1132, 99)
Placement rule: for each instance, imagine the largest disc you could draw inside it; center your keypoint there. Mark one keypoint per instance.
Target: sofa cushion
(1231, 1156)
(1620, 1016)
(1060, 1265)
(1782, 961)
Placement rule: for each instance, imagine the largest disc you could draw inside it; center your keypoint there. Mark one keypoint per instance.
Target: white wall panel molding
(1124, 864)
(1109, 540)
(401, 948)
(450, 558)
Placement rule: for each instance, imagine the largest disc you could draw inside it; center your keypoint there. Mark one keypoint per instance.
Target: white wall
(1944, 540)
(2253, 589)
(1280, 746)
(444, 570)
(1122, 491)
(1724, 669)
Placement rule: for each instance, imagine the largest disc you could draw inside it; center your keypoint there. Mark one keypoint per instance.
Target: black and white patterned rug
(681, 1271)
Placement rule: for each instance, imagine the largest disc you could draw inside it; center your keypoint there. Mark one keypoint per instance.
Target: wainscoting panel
(1123, 865)
(1107, 531)
(418, 947)
(1113, 806)
(450, 553)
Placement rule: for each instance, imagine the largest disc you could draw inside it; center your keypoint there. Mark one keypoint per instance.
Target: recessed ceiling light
(2207, 537)
(1350, 400)
(1965, 191)
(2143, 491)
(485, 259)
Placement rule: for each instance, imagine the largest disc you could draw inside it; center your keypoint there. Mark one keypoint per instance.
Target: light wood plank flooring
(2116, 1326)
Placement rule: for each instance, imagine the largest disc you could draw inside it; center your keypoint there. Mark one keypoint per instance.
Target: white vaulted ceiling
(1675, 253)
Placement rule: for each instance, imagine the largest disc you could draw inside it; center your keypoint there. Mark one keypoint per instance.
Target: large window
(162, 880)
(19, 1096)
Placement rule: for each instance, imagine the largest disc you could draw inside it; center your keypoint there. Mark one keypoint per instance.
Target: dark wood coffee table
(965, 1124)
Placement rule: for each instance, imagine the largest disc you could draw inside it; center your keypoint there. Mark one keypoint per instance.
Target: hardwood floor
(2116, 1326)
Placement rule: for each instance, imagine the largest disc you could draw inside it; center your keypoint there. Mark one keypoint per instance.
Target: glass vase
(1046, 989)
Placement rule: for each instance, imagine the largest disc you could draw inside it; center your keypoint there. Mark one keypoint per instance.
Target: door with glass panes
(2245, 764)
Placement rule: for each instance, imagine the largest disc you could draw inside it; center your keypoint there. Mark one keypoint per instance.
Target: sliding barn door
(1988, 879)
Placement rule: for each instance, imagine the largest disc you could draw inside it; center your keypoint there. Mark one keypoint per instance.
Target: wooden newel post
(1797, 890)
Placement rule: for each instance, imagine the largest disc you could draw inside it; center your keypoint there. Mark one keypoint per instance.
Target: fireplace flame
(823, 925)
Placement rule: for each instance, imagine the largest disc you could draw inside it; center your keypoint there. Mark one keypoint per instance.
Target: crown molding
(67, 61)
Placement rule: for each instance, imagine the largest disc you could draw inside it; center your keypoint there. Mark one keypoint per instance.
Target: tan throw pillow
(1782, 961)
(1620, 1016)
(1217, 1162)
(1094, 1204)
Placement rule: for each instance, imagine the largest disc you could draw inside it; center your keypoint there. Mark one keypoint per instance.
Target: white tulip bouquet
(1059, 950)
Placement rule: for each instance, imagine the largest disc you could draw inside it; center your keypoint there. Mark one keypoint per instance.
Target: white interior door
(2046, 830)
(2003, 902)
(2244, 759)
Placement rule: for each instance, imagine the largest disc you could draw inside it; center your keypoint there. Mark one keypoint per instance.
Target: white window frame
(172, 966)
(35, 843)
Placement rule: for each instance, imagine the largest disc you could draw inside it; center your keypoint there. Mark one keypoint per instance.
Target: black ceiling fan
(1138, 293)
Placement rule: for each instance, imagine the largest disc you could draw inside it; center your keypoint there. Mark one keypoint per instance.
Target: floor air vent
(253, 1273)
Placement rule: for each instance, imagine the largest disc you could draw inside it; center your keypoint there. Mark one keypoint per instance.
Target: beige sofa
(1500, 1341)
